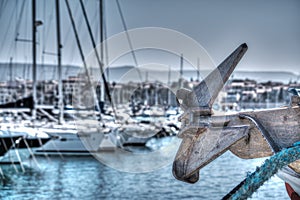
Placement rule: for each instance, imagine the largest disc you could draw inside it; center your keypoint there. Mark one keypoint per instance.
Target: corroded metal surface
(283, 124)
(205, 136)
(205, 146)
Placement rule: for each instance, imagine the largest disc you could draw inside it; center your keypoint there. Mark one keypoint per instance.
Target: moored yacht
(27, 140)
(74, 140)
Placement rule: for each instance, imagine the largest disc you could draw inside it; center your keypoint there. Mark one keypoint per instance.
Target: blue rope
(270, 167)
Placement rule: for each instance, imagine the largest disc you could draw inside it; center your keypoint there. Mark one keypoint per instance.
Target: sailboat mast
(169, 87)
(181, 71)
(198, 69)
(101, 19)
(81, 54)
(59, 46)
(100, 59)
(10, 70)
(34, 91)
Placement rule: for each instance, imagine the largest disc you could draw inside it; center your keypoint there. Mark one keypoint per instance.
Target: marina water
(87, 178)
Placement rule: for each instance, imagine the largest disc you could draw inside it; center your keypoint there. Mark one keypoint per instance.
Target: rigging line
(47, 29)
(72, 44)
(81, 53)
(79, 27)
(80, 30)
(19, 20)
(3, 5)
(6, 32)
(95, 24)
(100, 63)
(18, 25)
(11, 50)
(128, 39)
(96, 28)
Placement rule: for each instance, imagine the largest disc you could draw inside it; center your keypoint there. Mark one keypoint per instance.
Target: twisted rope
(263, 173)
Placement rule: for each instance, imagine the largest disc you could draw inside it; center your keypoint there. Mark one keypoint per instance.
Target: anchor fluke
(208, 90)
(178, 172)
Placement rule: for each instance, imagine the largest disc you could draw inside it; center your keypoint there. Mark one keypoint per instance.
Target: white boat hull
(71, 143)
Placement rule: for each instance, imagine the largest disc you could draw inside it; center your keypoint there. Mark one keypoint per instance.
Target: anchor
(206, 136)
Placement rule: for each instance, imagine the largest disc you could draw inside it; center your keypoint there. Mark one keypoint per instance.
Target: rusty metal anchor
(206, 136)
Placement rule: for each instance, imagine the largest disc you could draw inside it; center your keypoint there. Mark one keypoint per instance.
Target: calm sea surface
(87, 178)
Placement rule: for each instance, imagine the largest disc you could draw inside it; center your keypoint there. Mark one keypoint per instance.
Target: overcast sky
(271, 28)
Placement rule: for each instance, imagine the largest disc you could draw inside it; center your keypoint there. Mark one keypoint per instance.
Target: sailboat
(23, 138)
(73, 138)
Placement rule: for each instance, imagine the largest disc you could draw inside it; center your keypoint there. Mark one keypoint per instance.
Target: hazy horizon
(123, 74)
(163, 69)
